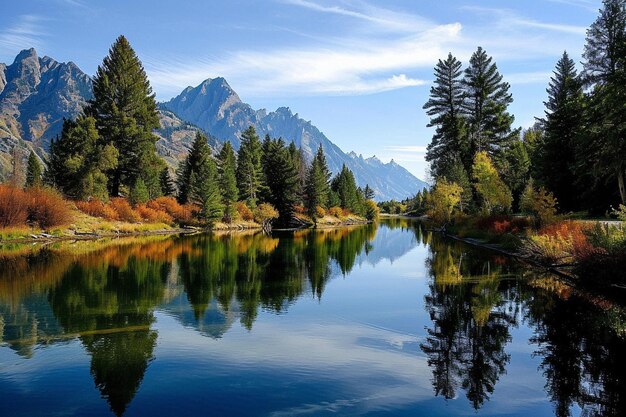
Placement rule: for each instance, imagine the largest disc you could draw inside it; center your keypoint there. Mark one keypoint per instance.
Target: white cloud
(25, 33)
(541, 77)
(363, 67)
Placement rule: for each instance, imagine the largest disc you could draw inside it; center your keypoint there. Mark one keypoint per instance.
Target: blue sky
(359, 70)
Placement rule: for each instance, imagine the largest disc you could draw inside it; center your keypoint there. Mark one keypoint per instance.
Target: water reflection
(107, 295)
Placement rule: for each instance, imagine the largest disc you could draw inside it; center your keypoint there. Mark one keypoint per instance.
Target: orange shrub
(124, 210)
(97, 208)
(502, 223)
(153, 215)
(336, 211)
(169, 205)
(13, 206)
(47, 207)
(244, 211)
(346, 212)
(575, 232)
(320, 211)
(299, 209)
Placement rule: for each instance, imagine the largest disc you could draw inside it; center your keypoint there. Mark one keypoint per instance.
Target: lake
(383, 319)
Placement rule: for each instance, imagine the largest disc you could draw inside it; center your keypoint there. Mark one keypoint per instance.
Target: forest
(528, 189)
(105, 163)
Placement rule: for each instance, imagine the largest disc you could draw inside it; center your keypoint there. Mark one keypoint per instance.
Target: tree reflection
(470, 308)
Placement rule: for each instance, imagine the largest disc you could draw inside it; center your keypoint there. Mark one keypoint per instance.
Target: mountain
(215, 107)
(37, 93)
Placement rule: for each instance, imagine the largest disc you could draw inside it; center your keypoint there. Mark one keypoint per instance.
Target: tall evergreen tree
(249, 169)
(205, 191)
(318, 183)
(368, 192)
(124, 108)
(485, 107)
(33, 171)
(227, 169)
(299, 163)
(605, 73)
(199, 154)
(282, 189)
(444, 108)
(345, 187)
(79, 160)
(167, 185)
(555, 156)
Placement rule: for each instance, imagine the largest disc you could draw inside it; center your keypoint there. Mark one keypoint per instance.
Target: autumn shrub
(47, 207)
(299, 209)
(181, 214)
(335, 211)
(560, 243)
(345, 212)
(265, 213)
(607, 260)
(124, 210)
(13, 206)
(153, 215)
(97, 208)
(320, 211)
(372, 212)
(538, 202)
(244, 211)
(502, 224)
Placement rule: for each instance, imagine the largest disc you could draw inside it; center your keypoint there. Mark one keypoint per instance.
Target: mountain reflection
(107, 295)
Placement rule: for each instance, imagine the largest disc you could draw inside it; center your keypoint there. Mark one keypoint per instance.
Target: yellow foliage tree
(443, 199)
(495, 195)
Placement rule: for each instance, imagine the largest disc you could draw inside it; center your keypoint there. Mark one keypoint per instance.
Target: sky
(359, 70)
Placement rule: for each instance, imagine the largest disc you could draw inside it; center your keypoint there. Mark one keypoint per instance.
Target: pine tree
(604, 65)
(345, 187)
(138, 193)
(318, 184)
(205, 191)
(199, 153)
(299, 163)
(33, 171)
(125, 111)
(249, 169)
(79, 161)
(167, 185)
(283, 188)
(485, 108)
(444, 107)
(227, 168)
(555, 154)
(369, 193)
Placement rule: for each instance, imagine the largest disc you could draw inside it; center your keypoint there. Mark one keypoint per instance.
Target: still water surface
(371, 320)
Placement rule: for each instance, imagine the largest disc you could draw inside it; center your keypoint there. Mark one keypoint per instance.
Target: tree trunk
(621, 185)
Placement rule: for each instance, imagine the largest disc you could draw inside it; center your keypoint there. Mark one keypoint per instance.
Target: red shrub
(47, 208)
(576, 232)
(97, 208)
(153, 215)
(124, 210)
(13, 206)
(502, 223)
(169, 205)
(299, 209)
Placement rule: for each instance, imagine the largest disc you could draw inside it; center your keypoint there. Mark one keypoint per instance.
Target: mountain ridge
(37, 93)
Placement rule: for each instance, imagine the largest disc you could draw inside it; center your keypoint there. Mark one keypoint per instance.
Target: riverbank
(86, 227)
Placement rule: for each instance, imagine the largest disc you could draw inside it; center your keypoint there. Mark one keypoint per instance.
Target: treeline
(575, 156)
(109, 152)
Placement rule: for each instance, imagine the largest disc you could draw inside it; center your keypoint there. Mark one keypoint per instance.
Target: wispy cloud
(589, 5)
(510, 19)
(529, 77)
(361, 68)
(25, 33)
(407, 149)
(382, 17)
